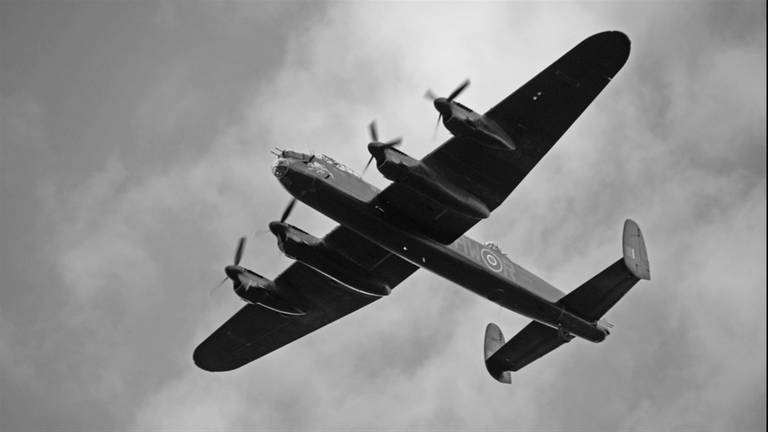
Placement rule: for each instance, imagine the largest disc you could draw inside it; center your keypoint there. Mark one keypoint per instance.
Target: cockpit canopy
(290, 154)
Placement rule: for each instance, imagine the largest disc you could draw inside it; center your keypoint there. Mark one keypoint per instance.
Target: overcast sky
(134, 151)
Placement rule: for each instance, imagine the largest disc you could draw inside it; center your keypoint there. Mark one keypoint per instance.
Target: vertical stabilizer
(494, 339)
(635, 255)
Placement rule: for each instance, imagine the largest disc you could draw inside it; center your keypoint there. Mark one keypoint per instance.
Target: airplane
(419, 221)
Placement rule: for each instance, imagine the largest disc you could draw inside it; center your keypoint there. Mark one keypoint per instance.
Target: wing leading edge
(535, 116)
(255, 331)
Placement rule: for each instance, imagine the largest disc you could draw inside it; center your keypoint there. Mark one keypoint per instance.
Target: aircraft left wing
(255, 331)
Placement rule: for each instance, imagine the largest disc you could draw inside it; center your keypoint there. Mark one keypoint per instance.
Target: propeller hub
(233, 271)
(374, 146)
(277, 228)
(443, 106)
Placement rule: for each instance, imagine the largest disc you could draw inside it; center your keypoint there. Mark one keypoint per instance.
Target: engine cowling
(313, 252)
(463, 122)
(256, 289)
(401, 168)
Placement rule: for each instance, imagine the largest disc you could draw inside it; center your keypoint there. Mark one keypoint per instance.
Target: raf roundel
(491, 260)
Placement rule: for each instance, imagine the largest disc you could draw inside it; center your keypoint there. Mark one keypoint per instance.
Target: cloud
(424, 393)
(676, 142)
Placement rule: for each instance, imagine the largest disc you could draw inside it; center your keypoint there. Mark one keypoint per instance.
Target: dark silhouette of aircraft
(419, 221)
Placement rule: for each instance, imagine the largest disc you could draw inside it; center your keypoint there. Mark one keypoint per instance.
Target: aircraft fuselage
(332, 190)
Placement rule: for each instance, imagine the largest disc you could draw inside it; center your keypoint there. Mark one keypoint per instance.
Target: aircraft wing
(535, 116)
(255, 331)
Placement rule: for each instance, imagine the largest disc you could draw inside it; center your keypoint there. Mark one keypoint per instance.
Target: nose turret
(280, 167)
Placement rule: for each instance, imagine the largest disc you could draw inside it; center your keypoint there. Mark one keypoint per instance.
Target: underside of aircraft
(419, 221)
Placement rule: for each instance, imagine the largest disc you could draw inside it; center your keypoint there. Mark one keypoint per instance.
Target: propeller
(218, 285)
(238, 256)
(442, 103)
(239, 250)
(376, 143)
(288, 210)
(286, 213)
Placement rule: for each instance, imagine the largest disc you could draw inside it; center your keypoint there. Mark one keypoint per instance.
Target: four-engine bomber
(419, 221)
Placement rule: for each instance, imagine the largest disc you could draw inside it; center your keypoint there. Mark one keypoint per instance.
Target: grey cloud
(137, 228)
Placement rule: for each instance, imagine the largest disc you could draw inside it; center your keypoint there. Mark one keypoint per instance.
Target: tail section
(494, 339)
(531, 343)
(635, 255)
(595, 297)
(589, 302)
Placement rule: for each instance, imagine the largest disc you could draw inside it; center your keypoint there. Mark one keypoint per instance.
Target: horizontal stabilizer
(595, 297)
(529, 344)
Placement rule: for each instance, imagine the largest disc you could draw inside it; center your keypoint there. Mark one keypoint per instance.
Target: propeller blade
(210, 293)
(459, 89)
(372, 129)
(239, 251)
(288, 209)
(437, 125)
(368, 164)
(393, 142)
(430, 95)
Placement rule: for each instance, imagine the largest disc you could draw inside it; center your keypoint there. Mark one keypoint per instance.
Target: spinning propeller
(239, 250)
(376, 144)
(238, 257)
(283, 218)
(443, 105)
(288, 210)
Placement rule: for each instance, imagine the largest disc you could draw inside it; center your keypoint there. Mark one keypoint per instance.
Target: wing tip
(608, 49)
(205, 360)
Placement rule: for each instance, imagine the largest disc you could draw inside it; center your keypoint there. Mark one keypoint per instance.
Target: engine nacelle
(256, 289)
(313, 252)
(403, 169)
(463, 122)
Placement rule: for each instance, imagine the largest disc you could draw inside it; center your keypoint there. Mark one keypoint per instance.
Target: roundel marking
(491, 260)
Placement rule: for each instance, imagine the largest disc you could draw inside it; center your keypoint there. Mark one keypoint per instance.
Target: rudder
(494, 339)
(635, 254)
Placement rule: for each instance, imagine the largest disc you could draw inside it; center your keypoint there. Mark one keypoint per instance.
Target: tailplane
(590, 301)
(595, 297)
